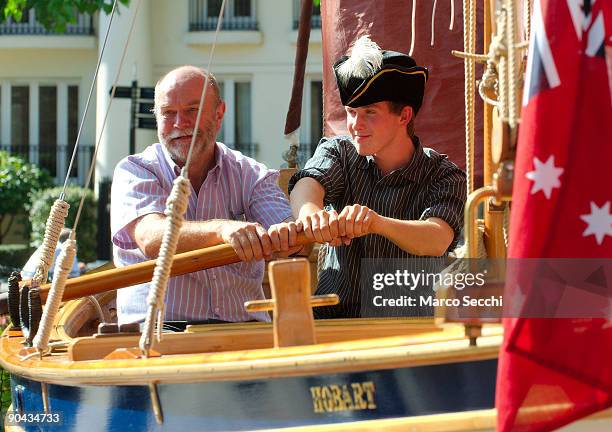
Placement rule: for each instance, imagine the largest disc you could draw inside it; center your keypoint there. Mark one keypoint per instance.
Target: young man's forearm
(430, 237)
(306, 197)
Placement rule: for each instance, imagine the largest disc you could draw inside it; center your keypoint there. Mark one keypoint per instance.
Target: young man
(234, 199)
(389, 196)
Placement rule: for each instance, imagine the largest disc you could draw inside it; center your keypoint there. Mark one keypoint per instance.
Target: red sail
(440, 123)
(554, 371)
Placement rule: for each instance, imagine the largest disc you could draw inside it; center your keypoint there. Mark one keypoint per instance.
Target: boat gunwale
(424, 342)
(189, 368)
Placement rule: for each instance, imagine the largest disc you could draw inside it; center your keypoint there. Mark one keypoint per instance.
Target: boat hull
(265, 404)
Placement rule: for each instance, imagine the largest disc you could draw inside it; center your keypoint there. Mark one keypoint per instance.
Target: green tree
(18, 180)
(43, 200)
(54, 14)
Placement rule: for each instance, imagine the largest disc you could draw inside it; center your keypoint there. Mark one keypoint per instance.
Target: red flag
(553, 371)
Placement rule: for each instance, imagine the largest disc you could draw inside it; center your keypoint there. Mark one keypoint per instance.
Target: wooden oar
(134, 274)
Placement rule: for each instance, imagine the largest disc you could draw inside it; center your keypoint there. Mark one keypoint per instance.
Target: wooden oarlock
(292, 304)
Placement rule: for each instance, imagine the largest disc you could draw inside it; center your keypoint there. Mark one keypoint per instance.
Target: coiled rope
(62, 269)
(53, 229)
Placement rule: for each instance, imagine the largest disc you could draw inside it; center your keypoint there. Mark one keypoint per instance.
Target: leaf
(54, 15)
(18, 179)
(14, 9)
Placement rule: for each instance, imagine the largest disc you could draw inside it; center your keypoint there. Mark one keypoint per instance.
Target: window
(20, 119)
(84, 158)
(236, 130)
(242, 114)
(47, 129)
(41, 121)
(311, 128)
(315, 21)
(238, 15)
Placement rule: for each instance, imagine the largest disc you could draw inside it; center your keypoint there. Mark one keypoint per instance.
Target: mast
(294, 113)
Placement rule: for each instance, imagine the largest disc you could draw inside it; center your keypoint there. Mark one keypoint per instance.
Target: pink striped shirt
(236, 188)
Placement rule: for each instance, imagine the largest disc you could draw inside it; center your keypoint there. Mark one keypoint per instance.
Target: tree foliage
(54, 15)
(86, 234)
(18, 180)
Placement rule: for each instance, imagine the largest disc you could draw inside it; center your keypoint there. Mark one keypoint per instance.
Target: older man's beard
(179, 152)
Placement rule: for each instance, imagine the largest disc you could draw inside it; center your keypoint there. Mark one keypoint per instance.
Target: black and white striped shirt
(429, 186)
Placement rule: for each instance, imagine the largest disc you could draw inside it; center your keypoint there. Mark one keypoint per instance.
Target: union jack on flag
(553, 371)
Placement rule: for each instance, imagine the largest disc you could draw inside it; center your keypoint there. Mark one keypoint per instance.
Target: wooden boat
(352, 374)
(344, 374)
(254, 375)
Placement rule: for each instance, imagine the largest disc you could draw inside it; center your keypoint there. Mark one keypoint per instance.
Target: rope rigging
(500, 76)
(433, 19)
(57, 217)
(176, 205)
(59, 211)
(469, 46)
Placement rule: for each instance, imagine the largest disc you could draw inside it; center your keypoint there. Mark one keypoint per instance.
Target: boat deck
(232, 351)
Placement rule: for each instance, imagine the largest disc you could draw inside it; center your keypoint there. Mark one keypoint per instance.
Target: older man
(234, 199)
(390, 196)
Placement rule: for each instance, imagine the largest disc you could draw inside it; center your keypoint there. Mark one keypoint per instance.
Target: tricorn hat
(371, 75)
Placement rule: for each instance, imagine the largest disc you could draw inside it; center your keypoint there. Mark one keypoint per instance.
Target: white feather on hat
(365, 60)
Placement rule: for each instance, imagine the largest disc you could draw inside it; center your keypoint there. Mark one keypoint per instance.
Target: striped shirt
(236, 188)
(429, 186)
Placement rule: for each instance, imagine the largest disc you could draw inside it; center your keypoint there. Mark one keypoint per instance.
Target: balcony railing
(233, 23)
(238, 16)
(315, 21)
(55, 159)
(30, 26)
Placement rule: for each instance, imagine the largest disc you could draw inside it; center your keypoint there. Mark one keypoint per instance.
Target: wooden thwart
(256, 336)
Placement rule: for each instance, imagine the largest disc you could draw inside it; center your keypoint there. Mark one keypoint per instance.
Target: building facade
(45, 79)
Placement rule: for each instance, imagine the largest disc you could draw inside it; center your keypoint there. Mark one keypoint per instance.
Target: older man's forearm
(194, 235)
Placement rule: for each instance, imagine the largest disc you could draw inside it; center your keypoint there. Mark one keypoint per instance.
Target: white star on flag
(599, 222)
(545, 176)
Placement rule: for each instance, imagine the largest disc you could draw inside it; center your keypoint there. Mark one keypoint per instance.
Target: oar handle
(134, 274)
